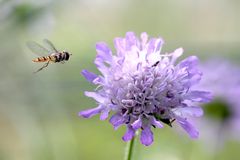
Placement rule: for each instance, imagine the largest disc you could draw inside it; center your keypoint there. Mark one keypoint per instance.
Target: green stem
(129, 149)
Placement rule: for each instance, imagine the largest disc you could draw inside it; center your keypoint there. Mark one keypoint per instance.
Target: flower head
(222, 78)
(144, 88)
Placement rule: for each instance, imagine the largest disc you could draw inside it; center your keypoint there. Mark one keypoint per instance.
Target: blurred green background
(38, 112)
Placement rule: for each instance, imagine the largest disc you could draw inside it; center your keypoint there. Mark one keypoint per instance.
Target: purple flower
(222, 78)
(144, 88)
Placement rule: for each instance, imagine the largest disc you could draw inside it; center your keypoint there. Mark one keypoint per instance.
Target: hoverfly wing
(37, 48)
(50, 46)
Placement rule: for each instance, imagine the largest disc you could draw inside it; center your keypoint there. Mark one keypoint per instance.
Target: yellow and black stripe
(58, 57)
(44, 59)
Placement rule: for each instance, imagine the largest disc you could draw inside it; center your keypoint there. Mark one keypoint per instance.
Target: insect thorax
(61, 56)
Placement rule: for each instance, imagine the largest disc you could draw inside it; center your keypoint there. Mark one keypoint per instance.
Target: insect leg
(44, 66)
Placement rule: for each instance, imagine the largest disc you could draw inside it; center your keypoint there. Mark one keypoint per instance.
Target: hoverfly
(167, 121)
(48, 54)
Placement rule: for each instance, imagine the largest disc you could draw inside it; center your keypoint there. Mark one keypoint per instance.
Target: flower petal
(199, 96)
(131, 40)
(188, 127)
(177, 53)
(137, 124)
(146, 136)
(144, 38)
(104, 114)
(158, 45)
(156, 122)
(104, 55)
(89, 75)
(189, 62)
(90, 112)
(95, 96)
(151, 46)
(117, 120)
(120, 45)
(104, 52)
(189, 111)
(190, 65)
(154, 47)
(130, 133)
(101, 66)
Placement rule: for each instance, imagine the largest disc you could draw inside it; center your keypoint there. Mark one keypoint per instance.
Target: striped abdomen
(44, 59)
(55, 57)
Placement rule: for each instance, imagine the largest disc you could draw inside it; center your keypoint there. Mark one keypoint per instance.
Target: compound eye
(67, 55)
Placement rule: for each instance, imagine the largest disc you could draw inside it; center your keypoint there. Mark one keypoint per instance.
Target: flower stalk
(129, 149)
